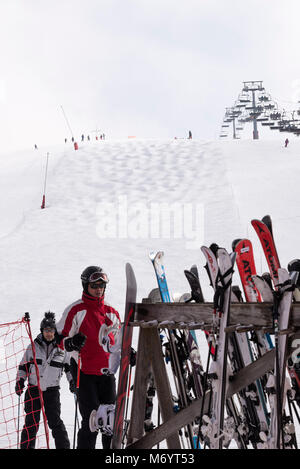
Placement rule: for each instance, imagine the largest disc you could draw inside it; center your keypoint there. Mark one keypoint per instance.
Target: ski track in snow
(44, 251)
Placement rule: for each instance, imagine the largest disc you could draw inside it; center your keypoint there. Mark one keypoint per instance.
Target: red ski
(246, 266)
(268, 245)
(264, 231)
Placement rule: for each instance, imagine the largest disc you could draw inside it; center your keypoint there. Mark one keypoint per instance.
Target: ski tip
(214, 248)
(235, 242)
(155, 255)
(190, 274)
(241, 244)
(267, 278)
(267, 219)
(194, 271)
(294, 265)
(130, 275)
(152, 255)
(206, 251)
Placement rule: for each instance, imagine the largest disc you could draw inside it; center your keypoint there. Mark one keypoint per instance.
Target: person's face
(96, 289)
(48, 334)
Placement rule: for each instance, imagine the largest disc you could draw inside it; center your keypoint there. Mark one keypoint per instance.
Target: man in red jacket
(89, 326)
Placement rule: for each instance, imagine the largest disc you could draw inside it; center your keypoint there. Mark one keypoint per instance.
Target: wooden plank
(251, 373)
(143, 368)
(177, 421)
(163, 388)
(258, 314)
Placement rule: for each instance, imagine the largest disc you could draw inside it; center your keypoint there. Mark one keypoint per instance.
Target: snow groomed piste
(246, 393)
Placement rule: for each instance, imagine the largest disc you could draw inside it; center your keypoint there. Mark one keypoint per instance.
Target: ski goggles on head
(98, 277)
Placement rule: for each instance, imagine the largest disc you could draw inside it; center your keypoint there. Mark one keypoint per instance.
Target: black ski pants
(93, 391)
(32, 408)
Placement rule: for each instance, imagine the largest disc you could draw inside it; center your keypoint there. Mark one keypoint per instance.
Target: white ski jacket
(51, 361)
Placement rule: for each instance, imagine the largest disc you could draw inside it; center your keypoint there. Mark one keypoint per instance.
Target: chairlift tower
(255, 105)
(252, 87)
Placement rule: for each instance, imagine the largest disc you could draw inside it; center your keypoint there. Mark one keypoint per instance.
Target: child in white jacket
(51, 362)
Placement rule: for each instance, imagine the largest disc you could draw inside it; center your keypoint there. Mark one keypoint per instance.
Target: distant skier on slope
(91, 327)
(286, 142)
(190, 135)
(51, 362)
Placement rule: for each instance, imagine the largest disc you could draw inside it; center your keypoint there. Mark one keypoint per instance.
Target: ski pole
(76, 403)
(158, 422)
(127, 403)
(18, 429)
(77, 419)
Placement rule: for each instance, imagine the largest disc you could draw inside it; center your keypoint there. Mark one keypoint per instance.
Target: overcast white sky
(150, 68)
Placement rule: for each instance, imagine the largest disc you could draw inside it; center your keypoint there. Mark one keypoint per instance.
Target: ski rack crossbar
(199, 316)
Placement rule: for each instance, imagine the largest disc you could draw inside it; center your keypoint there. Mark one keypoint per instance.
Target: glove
(75, 343)
(19, 386)
(72, 386)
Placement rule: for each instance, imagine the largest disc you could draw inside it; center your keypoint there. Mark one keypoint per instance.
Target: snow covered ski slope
(114, 201)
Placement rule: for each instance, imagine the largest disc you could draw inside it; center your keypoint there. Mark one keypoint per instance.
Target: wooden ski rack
(150, 318)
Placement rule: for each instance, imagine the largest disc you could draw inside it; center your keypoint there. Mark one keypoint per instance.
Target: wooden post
(143, 368)
(150, 358)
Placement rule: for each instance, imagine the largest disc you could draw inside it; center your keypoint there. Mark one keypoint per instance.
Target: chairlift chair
(275, 115)
(244, 98)
(264, 97)
(270, 106)
(264, 117)
(268, 123)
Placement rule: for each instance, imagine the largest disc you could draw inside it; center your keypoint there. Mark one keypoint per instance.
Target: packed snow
(114, 201)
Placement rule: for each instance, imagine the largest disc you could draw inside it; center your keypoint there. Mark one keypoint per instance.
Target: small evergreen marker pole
(45, 182)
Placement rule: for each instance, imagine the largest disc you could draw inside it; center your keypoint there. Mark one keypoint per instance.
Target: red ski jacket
(87, 316)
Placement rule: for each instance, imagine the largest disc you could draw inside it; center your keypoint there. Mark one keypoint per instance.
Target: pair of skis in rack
(280, 291)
